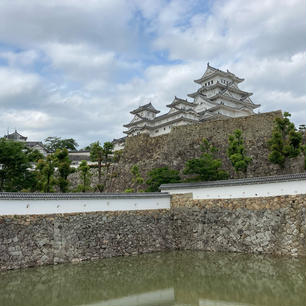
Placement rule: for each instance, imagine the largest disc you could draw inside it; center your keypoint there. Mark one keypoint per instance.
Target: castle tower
(143, 116)
(219, 95)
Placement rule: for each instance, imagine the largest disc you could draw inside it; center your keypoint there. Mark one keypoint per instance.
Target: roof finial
(207, 64)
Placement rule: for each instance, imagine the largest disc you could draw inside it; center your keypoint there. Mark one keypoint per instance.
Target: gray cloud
(75, 70)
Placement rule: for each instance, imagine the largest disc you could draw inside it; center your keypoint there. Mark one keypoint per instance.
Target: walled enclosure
(273, 225)
(183, 143)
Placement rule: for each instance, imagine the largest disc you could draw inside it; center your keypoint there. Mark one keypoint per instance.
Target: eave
(246, 104)
(221, 73)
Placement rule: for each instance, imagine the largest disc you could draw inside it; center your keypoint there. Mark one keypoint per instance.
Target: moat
(171, 278)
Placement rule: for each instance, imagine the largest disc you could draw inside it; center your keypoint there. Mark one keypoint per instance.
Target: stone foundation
(274, 225)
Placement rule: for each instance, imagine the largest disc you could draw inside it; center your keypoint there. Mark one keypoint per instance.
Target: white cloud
(75, 70)
(22, 58)
(234, 29)
(86, 63)
(15, 83)
(103, 23)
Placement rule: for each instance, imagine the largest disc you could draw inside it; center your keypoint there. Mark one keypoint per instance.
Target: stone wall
(50, 239)
(274, 225)
(183, 143)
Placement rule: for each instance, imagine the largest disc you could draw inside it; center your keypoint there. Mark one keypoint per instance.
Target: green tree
(206, 167)
(285, 141)
(15, 167)
(159, 176)
(137, 179)
(64, 168)
(84, 171)
(54, 143)
(101, 155)
(96, 155)
(45, 173)
(34, 155)
(107, 153)
(236, 152)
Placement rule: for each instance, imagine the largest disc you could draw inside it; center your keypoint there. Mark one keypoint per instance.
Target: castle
(34, 145)
(218, 97)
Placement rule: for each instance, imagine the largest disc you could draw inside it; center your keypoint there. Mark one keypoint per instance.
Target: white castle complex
(218, 97)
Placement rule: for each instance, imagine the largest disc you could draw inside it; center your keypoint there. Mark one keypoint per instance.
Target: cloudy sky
(75, 68)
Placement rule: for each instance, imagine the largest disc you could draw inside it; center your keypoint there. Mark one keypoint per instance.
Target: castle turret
(219, 94)
(142, 117)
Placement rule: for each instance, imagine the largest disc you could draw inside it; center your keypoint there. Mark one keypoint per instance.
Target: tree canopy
(84, 172)
(236, 152)
(206, 167)
(15, 166)
(159, 176)
(63, 164)
(101, 154)
(285, 141)
(53, 143)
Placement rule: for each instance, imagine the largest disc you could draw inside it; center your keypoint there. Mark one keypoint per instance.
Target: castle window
(212, 82)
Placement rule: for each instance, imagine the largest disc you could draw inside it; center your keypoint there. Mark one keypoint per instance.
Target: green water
(174, 278)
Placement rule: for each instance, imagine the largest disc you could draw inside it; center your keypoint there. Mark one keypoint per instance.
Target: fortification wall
(183, 143)
(51, 239)
(273, 225)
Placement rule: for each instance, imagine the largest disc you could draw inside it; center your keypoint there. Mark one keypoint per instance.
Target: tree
(96, 154)
(84, 171)
(236, 152)
(107, 152)
(54, 143)
(64, 168)
(101, 154)
(285, 141)
(206, 167)
(15, 169)
(137, 179)
(160, 176)
(45, 173)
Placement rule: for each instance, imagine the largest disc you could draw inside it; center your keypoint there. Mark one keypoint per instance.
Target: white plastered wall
(47, 206)
(243, 191)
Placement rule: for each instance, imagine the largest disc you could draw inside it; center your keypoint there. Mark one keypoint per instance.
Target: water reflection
(175, 278)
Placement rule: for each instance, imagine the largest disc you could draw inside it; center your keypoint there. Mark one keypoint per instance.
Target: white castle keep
(218, 97)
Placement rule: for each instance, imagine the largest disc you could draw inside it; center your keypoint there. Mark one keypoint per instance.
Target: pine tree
(64, 168)
(285, 141)
(84, 171)
(236, 152)
(206, 167)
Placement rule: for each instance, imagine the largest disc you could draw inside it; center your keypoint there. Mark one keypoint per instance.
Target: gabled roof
(177, 101)
(15, 136)
(149, 107)
(211, 72)
(229, 87)
(32, 144)
(226, 107)
(119, 140)
(228, 97)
